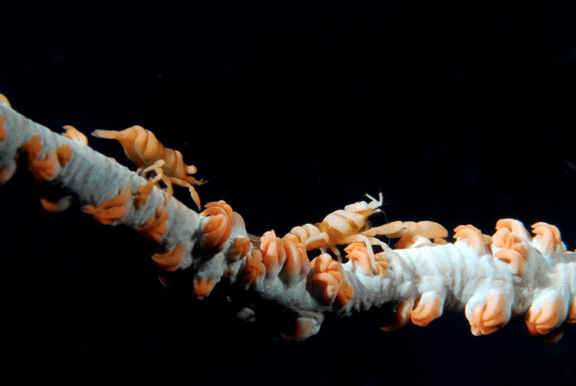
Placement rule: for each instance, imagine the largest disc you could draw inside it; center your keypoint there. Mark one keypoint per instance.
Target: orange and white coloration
(339, 227)
(75, 135)
(512, 273)
(143, 148)
(350, 225)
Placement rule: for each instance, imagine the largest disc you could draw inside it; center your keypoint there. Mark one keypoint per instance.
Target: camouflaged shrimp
(350, 225)
(143, 148)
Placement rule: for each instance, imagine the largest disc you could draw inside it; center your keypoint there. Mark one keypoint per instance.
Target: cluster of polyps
(491, 279)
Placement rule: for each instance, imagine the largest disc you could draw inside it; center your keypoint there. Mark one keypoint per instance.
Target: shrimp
(143, 148)
(351, 226)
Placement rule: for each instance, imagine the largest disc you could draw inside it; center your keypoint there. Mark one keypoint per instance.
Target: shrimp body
(341, 224)
(350, 225)
(339, 227)
(147, 152)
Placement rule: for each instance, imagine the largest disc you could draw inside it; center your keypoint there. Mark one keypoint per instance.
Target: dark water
(456, 113)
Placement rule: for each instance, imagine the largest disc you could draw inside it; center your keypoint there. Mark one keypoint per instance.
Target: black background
(457, 112)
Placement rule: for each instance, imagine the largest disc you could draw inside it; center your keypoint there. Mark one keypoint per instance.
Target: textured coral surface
(457, 115)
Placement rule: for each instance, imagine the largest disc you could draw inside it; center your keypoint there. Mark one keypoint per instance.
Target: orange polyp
(358, 254)
(325, 262)
(75, 135)
(33, 147)
(64, 154)
(428, 308)
(543, 319)
(476, 324)
(216, 231)
(548, 236)
(170, 261)
(239, 248)
(491, 317)
(381, 266)
(44, 169)
(142, 194)
(514, 226)
(296, 265)
(328, 286)
(253, 268)
(402, 316)
(267, 238)
(156, 226)
(202, 287)
(273, 257)
(284, 257)
(495, 313)
(48, 205)
(345, 293)
(504, 238)
(513, 258)
(360, 257)
(4, 100)
(301, 329)
(274, 253)
(111, 210)
(56, 206)
(327, 280)
(512, 249)
(500, 238)
(473, 237)
(338, 275)
(219, 207)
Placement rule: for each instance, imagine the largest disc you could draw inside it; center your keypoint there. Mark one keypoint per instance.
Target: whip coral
(336, 268)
